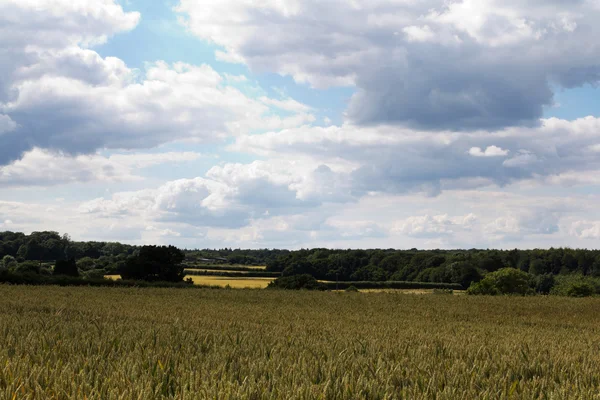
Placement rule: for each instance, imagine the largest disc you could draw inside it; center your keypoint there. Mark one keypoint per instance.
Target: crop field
(113, 343)
(226, 267)
(235, 283)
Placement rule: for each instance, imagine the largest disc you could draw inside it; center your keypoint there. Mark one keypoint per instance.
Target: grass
(105, 343)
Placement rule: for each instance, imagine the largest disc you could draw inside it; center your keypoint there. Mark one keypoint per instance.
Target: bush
(351, 289)
(94, 274)
(581, 289)
(155, 263)
(544, 283)
(443, 291)
(28, 268)
(9, 262)
(66, 267)
(297, 282)
(503, 281)
(576, 286)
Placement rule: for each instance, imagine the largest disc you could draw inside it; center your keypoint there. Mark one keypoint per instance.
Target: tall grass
(117, 343)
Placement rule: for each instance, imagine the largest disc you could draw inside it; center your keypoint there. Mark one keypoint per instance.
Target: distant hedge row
(233, 274)
(36, 280)
(233, 268)
(391, 285)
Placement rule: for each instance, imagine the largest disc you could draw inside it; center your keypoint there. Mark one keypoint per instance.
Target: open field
(100, 343)
(236, 283)
(225, 267)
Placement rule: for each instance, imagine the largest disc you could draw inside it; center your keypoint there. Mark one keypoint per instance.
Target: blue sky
(302, 123)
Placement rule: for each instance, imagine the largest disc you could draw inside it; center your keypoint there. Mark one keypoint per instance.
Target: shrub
(544, 283)
(443, 291)
(575, 286)
(94, 274)
(351, 289)
(9, 262)
(580, 289)
(28, 268)
(297, 282)
(66, 267)
(503, 281)
(155, 263)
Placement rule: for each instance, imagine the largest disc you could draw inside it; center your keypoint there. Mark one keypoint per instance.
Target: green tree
(503, 281)
(297, 282)
(9, 262)
(66, 267)
(155, 263)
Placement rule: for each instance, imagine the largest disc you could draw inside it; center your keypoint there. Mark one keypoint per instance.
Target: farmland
(236, 283)
(254, 344)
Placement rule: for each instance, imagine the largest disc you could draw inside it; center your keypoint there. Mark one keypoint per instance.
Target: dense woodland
(39, 252)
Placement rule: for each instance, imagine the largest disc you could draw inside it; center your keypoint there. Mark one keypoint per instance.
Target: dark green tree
(503, 281)
(66, 267)
(155, 263)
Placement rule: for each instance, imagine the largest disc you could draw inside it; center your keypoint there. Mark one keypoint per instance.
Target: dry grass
(113, 343)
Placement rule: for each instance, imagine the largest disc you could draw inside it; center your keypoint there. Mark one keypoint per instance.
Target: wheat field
(115, 343)
(235, 283)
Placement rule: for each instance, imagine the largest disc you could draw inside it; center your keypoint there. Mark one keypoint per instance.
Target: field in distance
(221, 281)
(236, 283)
(97, 343)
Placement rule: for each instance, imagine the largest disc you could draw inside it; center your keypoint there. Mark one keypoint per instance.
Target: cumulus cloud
(491, 151)
(586, 229)
(59, 94)
(43, 168)
(397, 160)
(433, 226)
(434, 64)
(230, 195)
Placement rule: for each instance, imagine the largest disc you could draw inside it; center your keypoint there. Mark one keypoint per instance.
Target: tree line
(45, 252)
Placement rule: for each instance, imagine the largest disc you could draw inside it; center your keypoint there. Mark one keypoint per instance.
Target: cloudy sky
(302, 123)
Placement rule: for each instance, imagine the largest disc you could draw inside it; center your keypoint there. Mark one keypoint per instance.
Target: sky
(302, 123)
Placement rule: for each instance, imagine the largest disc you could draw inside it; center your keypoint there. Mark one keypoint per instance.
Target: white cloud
(418, 33)
(57, 93)
(433, 226)
(433, 64)
(397, 160)
(490, 151)
(6, 124)
(42, 168)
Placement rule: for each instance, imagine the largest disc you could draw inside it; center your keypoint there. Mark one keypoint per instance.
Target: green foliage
(351, 289)
(503, 281)
(576, 285)
(155, 263)
(66, 267)
(86, 264)
(28, 268)
(9, 262)
(544, 283)
(297, 282)
(374, 265)
(94, 274)
(581, 289)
